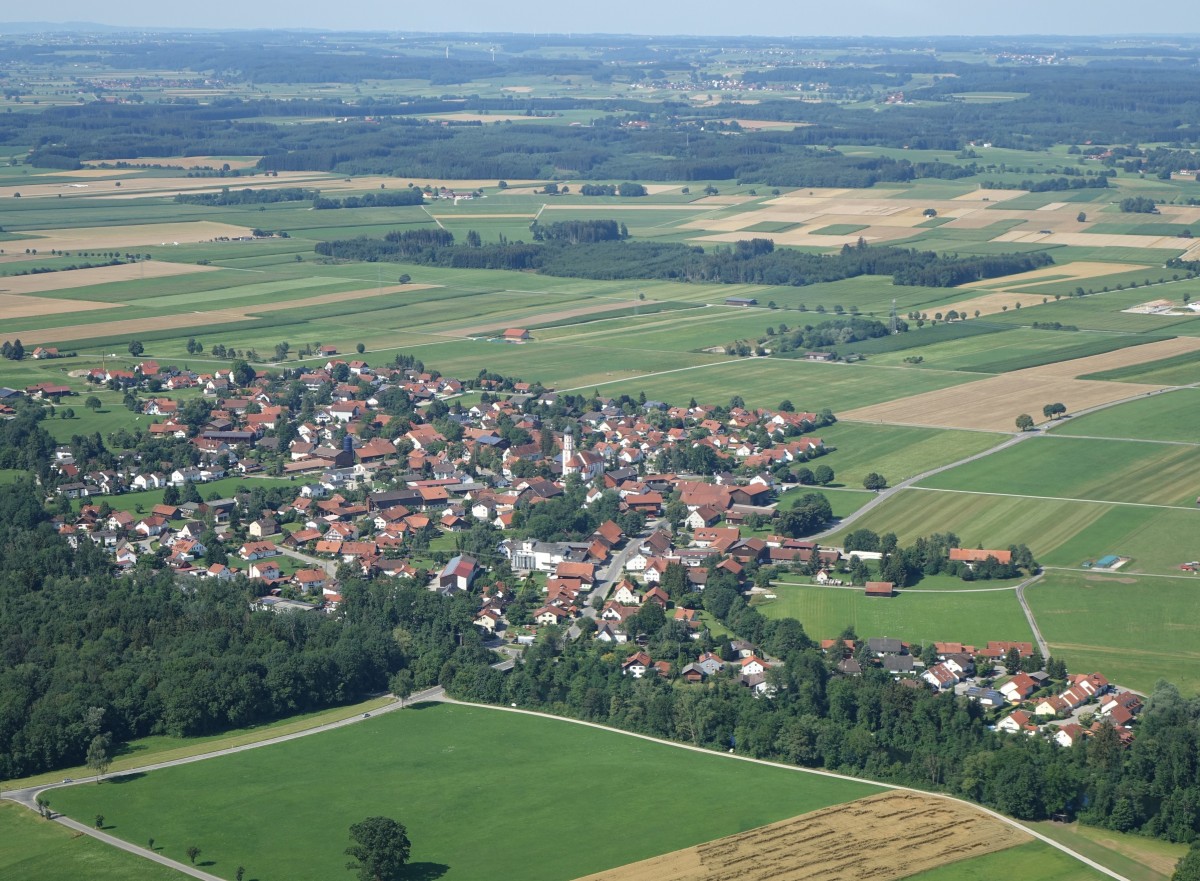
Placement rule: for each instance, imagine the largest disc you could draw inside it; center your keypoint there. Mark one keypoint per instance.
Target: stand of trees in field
(594, 249)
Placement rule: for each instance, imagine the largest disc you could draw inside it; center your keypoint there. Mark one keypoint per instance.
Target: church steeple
(568, 452)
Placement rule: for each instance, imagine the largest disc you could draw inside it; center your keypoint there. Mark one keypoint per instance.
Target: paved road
(328, 566)
(1033, 625)
(615, 567)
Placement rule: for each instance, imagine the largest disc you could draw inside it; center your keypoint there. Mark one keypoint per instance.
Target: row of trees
(599, 254)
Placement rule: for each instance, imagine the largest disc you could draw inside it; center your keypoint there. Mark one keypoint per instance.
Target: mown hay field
(883, 837)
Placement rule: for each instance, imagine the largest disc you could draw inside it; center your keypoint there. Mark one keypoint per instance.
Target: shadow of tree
(125, 778)
(424, 871)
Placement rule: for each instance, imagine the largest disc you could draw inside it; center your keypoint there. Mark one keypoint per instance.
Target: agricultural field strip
(971, 492)
(26, 797)
(1191, 578)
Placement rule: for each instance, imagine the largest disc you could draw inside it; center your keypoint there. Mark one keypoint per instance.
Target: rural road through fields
(1033, 625)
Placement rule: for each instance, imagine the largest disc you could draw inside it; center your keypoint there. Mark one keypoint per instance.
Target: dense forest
(86, 653)
(591, 250)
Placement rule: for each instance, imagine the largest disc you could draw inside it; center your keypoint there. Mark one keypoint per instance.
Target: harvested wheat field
(133, 326)
(881, 837)
(1120, 358)
(101, 237)
(81, 278)
(994, 403)
(1066, 272)
(13, 306)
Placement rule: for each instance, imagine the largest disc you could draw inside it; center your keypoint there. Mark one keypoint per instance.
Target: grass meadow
(1060, 466)
(1034, 861)
(31, 848)
(945, 616)
(1134, 630)
(444, 771)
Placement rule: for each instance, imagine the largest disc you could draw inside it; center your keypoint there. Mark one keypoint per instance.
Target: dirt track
(883, 837)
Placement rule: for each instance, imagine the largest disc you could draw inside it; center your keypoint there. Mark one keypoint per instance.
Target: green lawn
(1083, 468)
(945, 616)
(1155, 633)
(446, 772)
(1029, 862)
(1169, 417)
(31, 848)
(843, 501)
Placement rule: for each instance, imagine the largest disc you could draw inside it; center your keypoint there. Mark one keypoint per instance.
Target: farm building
(819, 356)
(741, 301)
(515, 335)
(880, 589)
(973, 555)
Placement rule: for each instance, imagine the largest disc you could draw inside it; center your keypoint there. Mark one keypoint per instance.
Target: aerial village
(383, 472)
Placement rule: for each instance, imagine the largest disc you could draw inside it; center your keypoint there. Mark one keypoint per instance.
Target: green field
(432, 769)
(1136, 857)
(1060, 466)
(1060, 533)
(1170, 417)
(944, 616)
(1177, 370)
(1158, 636)
(1029, 862)
(31, 848)
(766, 382)
(895, 451)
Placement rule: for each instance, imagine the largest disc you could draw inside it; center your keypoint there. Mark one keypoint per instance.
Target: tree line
(754, 261)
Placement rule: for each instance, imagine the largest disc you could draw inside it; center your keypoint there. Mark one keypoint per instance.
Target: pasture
(34, 849)
(1059, 466)
(431, 768)
(944, 616)
(1158, 636)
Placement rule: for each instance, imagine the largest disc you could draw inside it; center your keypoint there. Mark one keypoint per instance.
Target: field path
(1043, 646)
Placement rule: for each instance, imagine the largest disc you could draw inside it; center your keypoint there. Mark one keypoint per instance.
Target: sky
(700, 17)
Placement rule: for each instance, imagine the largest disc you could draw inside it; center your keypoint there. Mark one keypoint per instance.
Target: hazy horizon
(868, 18)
